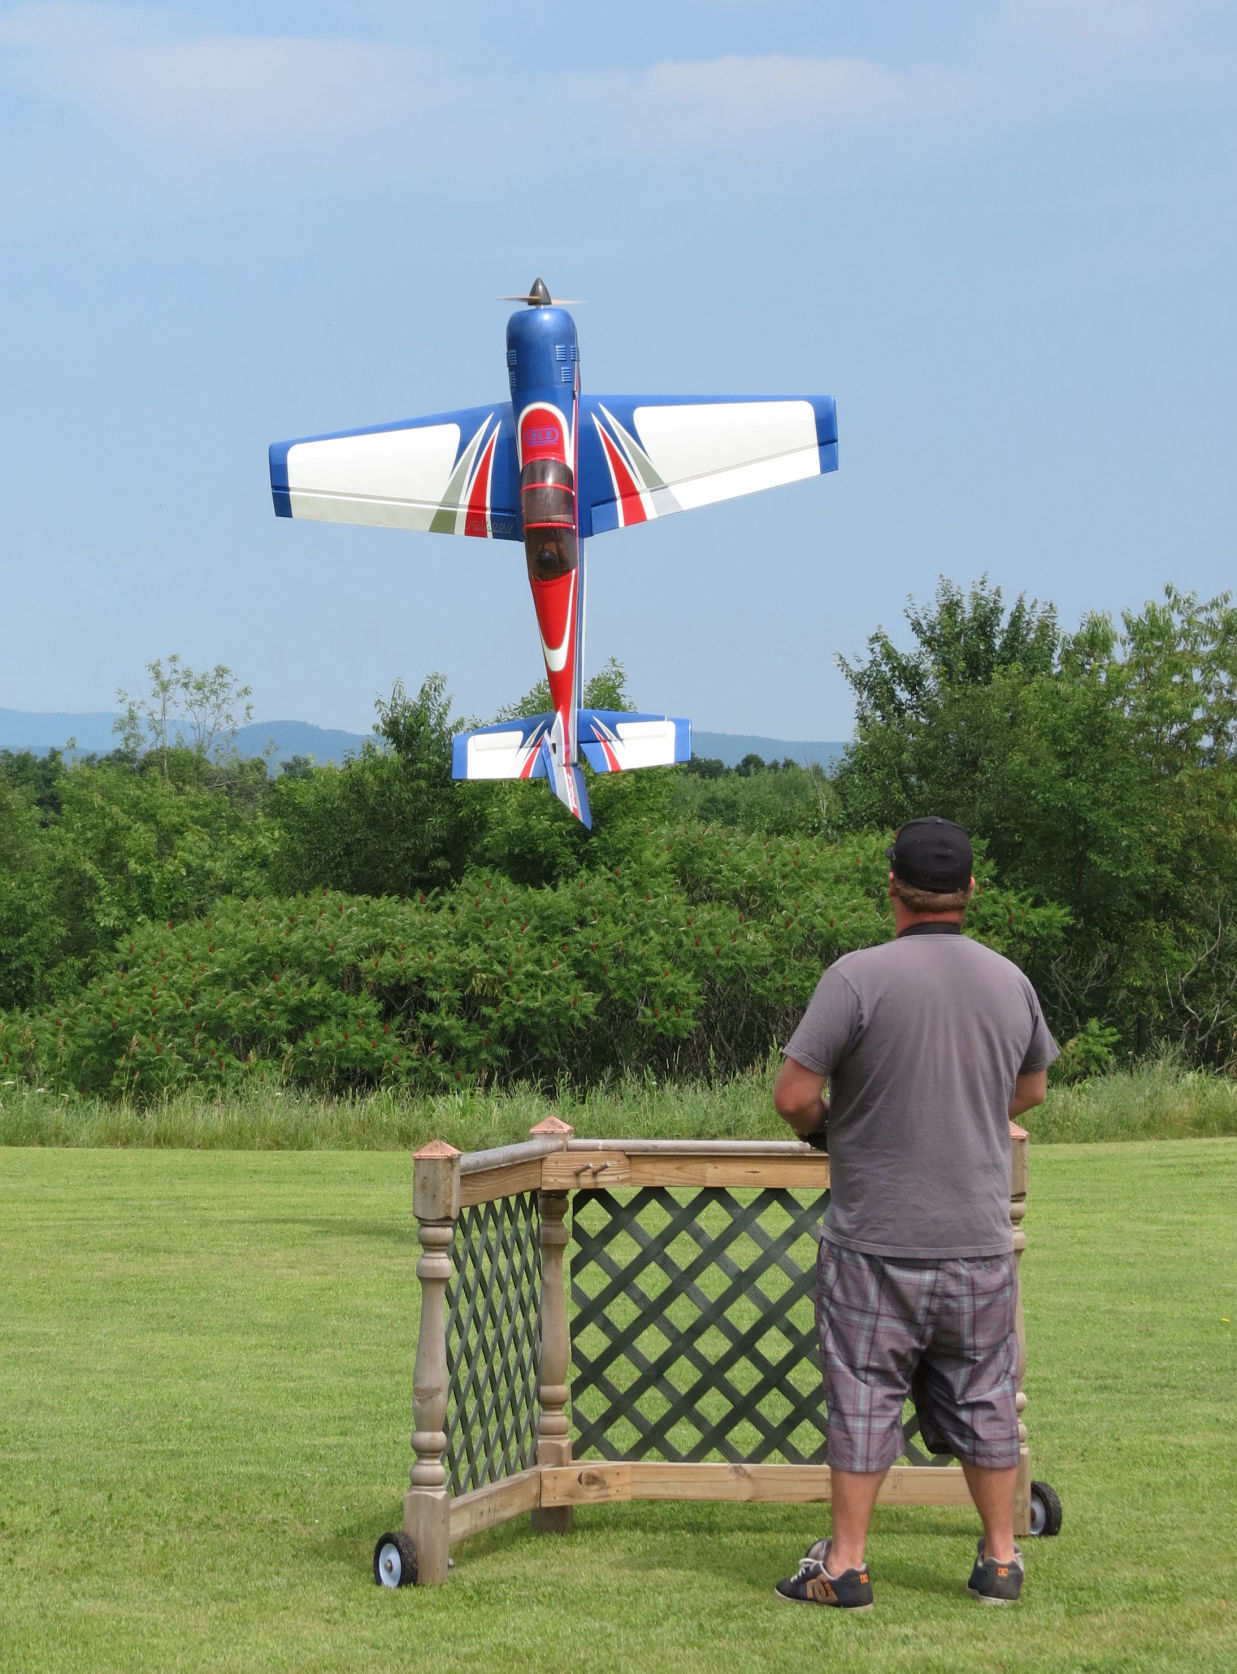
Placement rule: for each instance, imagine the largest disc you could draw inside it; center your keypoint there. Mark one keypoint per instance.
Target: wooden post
(1017, 1209)
(553, 1428)
(427, 1504)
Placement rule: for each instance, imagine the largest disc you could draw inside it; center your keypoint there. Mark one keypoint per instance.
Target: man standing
(929, 1044)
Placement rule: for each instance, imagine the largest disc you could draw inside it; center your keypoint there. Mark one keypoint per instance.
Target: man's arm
(799, 1098)
(1029, 1090)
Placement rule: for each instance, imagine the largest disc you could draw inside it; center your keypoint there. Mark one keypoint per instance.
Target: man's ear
(891, 885)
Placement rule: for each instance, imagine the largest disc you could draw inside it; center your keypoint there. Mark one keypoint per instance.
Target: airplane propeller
(539, 297)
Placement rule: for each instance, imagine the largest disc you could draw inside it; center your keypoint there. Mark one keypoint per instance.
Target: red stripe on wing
(630, 506)
(477, 519)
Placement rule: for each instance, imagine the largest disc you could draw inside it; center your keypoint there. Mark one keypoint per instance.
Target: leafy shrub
(1090, 1052)
(693, 961)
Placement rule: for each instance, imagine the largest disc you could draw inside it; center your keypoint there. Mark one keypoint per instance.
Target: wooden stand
(553, 1164)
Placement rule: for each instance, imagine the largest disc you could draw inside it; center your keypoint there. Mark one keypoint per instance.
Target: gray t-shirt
(922, 1039)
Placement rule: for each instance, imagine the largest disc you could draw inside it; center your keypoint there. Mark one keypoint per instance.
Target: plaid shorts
(938, 1332)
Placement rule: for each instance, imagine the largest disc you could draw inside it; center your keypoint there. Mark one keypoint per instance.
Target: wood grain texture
(484, 1507)
(601, 1481)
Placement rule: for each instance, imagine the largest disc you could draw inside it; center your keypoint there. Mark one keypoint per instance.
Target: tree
(1098, 770)
(390, 821)
(184, 709)
(925, 726)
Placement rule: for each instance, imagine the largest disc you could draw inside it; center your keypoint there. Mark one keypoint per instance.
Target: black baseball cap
(932, 854)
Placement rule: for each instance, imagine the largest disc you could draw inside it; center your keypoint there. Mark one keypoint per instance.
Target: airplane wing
(451, 473)
(642, 457)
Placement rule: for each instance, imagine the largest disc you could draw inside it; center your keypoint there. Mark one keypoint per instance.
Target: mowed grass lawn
(205, 1376)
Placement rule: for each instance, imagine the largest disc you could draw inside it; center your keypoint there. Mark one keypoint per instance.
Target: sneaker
(814, 1585)
(994, 1583)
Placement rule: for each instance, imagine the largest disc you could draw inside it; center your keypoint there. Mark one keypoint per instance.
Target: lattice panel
(694, 1332)
(493, 1342)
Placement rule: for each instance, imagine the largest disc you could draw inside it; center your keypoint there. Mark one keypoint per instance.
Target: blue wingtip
(279, 479)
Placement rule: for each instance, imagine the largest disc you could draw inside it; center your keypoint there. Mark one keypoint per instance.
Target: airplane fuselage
(543, 368)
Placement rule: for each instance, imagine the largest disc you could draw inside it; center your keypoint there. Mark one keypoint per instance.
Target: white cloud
(391, 111)
(221, 93)
(1096, 27)
(735, 99)
(233, 90)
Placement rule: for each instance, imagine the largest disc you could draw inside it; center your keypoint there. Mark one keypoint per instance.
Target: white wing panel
(394, 478)
(718, 450)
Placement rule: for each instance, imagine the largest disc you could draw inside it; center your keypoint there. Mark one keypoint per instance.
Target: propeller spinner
(539, 297)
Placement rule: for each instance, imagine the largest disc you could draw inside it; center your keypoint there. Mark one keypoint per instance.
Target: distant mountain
(40, 733)
(20, 730)
(93, 734)
(299, 738)
(731, 747)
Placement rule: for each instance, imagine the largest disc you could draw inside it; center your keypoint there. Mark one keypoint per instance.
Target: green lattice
(493, 1342)
(694, 1331)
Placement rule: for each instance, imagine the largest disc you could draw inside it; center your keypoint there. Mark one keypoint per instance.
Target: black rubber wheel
(1045, 1510)
(395, 1561)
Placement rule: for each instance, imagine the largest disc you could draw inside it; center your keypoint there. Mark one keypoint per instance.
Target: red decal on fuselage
(555, 602)
(543, 435)
(547, 433)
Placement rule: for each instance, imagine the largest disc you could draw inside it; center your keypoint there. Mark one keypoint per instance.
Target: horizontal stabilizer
(507, 750)
(615, 740)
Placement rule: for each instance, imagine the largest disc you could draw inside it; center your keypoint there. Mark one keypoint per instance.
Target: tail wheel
(1045, 1510)
(395, 1561)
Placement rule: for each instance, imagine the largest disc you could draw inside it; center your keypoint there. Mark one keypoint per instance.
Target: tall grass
(1154, 1101)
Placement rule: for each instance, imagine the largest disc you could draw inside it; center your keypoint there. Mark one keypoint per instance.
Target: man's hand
(799, 1098)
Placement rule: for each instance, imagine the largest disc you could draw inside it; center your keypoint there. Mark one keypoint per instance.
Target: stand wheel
(395, 1561)
(1045, 1510)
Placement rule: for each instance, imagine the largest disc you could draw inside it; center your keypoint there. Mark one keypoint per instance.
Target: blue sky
(1002, 235)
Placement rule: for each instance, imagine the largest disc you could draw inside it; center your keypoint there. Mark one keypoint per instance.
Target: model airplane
(551, 468)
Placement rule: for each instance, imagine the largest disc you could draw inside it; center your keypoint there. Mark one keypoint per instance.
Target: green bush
(692, 962)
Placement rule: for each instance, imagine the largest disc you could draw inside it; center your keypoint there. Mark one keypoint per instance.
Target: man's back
(923, 1039)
